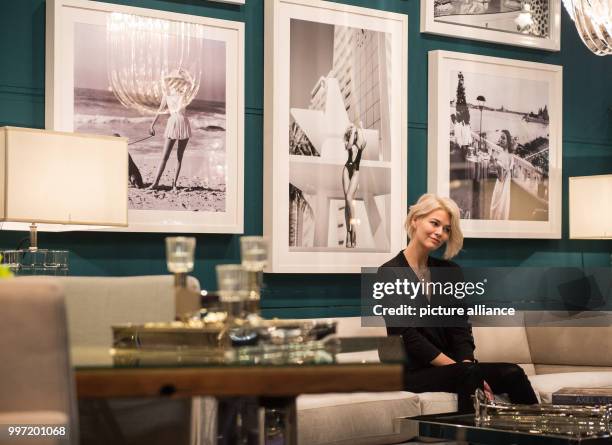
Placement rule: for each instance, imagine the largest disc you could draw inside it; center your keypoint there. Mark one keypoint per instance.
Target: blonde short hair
(428, 203)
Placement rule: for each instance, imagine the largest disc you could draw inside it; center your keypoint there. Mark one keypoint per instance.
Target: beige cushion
(33, 418)
(351, 327)
(554, 369)
(94, 304)
(546, 384)
(47, 418)
(357, 418)
(358, 357)
(502, 344)
(37, 378)
(437, 402)
(529, 368)
(587, 346)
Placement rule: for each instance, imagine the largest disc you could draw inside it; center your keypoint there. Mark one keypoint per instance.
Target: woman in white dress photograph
(174, 87)
(504, 163)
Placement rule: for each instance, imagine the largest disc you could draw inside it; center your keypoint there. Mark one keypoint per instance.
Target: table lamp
(590, 207)
(56, 181)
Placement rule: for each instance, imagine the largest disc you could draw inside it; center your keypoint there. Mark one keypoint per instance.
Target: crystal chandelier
(593, 20)
(143, 52)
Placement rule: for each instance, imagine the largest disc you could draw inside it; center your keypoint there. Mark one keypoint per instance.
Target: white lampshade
(62, 178)
(590, 207)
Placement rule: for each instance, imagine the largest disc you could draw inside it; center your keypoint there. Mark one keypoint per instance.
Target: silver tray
(217, 334)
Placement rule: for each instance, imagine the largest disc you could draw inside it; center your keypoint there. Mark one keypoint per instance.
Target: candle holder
(179, 258)
(254, 254)
(232, 282)
(35, 262)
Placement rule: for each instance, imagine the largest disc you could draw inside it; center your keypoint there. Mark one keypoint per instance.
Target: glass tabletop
(328, 351)
(463, 428)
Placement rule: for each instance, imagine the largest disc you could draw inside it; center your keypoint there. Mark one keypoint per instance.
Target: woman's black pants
(464, 378)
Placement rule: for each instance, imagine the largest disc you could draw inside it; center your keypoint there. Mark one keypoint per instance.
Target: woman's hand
(442, 360)
(488, 391)
(152, 131)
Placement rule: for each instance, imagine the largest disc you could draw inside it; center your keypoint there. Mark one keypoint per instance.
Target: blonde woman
(174, 87)
(440, 357)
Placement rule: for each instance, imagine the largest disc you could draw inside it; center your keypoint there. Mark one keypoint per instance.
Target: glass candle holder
(232, 282)
(36, 262)
(179, 253)
(254, 253)
(13, 260)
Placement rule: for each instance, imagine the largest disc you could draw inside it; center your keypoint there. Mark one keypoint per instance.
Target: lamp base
(36, 262)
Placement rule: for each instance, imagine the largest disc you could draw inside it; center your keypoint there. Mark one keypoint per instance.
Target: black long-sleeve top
(423, 344)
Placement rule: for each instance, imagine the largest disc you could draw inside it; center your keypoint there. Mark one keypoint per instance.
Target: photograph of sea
(530, 17)
(201, 184)
(499, 146)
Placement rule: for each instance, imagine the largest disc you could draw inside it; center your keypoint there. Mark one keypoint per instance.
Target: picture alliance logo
(408, 288)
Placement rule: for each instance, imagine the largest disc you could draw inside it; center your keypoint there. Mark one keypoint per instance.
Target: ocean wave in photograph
(202, 180)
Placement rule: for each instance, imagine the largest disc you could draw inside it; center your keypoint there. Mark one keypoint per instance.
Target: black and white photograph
(528, 23)
(499, 145)
(170, 106)
(530, 17)
(339, 138)
(495, 142)
(335, 159)
(172, 84)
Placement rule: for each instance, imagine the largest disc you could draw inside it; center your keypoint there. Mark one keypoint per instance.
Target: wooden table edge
(270, 381)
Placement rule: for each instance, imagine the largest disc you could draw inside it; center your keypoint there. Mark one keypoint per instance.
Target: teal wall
(587, 149)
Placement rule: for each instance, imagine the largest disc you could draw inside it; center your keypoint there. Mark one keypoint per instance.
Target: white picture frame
(319, 234)
(211, 200)
(496, 28)
(520, 99)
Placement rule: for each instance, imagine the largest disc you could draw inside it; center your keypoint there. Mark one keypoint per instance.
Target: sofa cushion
(94, 304)
(357, 418)
(437, 402)
(555, 369)
(358, 357)
(546, 384)
(352, 327)
(502, 344)
(570, 345)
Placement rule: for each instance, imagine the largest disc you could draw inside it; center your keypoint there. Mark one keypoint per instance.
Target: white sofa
(552, 357)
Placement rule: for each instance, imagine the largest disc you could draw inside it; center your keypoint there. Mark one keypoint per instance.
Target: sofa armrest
(36, 418)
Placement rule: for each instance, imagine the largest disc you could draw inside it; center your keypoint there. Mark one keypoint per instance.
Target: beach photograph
(530, 17)
(174, 117)
(499, 134)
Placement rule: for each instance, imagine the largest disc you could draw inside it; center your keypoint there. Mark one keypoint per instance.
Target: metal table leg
(277, 421)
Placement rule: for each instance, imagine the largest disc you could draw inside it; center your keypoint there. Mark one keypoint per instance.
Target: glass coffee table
(273, 376)
(463, 430)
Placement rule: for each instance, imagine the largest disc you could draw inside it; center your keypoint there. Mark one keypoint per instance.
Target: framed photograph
(529, 23)
(173, 84)
(494, 137)
(335, 136)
